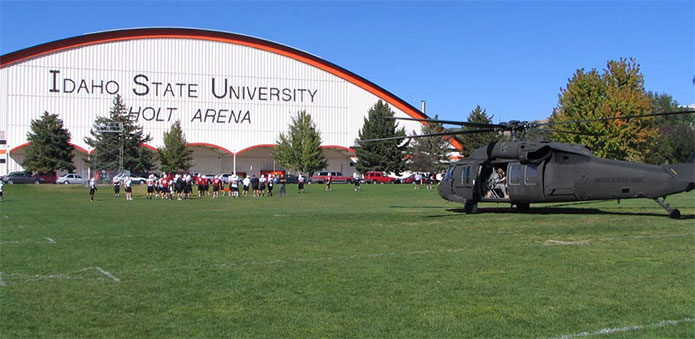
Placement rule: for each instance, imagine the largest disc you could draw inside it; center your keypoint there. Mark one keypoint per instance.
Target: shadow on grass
(557, 210)
(416, 207)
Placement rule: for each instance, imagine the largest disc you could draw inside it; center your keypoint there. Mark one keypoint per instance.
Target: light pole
(114, 127)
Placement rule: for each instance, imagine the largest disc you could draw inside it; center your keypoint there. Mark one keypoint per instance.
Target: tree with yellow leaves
(617, 92)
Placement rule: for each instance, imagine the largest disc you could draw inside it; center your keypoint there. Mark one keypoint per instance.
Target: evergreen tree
(676, 138)
(174, 155)
(429, 154)
(618, 91)
(300, 149)
(107, 146)
(50, 148)
(472, 141)
(383, 155)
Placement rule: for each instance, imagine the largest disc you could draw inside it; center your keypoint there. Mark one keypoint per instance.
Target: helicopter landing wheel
(524, 207)
(470, 207)
(675, 214)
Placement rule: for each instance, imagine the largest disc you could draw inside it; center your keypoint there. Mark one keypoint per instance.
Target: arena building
(232, 93)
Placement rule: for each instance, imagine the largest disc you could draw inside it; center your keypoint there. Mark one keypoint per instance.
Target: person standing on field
(261, 182)
(300, 183)
(418, 180)
(116, 186)
(92, 189)
(150, 186)
(1, 191)
(356, 180)
(254, 185)
(234, 186)
(128, 188)
(271, 183)
(246, 182)
(283, 183)
(328, 182)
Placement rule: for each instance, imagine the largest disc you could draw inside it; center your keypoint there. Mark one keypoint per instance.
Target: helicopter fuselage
(556, 172)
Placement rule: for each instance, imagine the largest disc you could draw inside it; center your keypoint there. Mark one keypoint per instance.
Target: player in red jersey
(166, 193)
(216, 184)
(200, 181)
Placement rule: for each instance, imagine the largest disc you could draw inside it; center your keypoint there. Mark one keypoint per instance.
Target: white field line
(551, 241)
(560, 242)
(131, 236)
(628, 328)
(23, 278)
(302, 260)
(107, 274)
(2, 282)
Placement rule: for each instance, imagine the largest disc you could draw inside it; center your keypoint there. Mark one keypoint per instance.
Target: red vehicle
(378, 178)
(336, 177)
(408, 180)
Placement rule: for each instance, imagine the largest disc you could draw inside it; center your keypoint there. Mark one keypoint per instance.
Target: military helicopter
(551, 171)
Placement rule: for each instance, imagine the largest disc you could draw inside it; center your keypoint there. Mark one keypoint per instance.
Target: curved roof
(200, 34)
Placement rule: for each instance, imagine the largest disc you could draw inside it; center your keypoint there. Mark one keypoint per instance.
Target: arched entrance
(211, 159)
(79, 159)
(340, 159)
(257, 160)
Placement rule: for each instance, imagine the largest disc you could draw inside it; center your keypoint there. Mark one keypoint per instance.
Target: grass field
(387, 261)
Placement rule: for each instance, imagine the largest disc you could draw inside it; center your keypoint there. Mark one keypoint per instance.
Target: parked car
(227, 176)
(408, 180)
(373, 177)
(336, 177)
(293, 179)
(136, 179)
(21, 178)
(71, 178)
(47, 178)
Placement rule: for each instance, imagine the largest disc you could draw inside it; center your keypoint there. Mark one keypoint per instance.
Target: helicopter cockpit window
(515, 174)
(466, 175)
(531, 174)
(448, 174)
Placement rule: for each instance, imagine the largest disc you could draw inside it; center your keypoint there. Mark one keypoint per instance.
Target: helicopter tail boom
(684, 173)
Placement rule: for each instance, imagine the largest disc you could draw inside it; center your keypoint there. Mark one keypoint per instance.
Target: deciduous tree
(676, 138)
(50, 148)
(618, 91)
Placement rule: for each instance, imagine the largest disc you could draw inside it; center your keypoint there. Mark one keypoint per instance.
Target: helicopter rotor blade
(616, 118)
(563, 131)
(449, 122)
(443, 134)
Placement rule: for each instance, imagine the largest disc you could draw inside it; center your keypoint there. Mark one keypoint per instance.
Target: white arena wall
(233, 94)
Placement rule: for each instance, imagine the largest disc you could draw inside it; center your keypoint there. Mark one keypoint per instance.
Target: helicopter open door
(464, 184)
(525, 182)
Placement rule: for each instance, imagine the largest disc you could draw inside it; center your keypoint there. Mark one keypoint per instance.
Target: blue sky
(509, 57)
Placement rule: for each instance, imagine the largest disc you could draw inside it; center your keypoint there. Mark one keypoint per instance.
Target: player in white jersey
(150, 186)
(128, 188)
(1, 191)
(261, 181)
(92, 189)
(247, 183)
(234, 186)
(116, 186)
